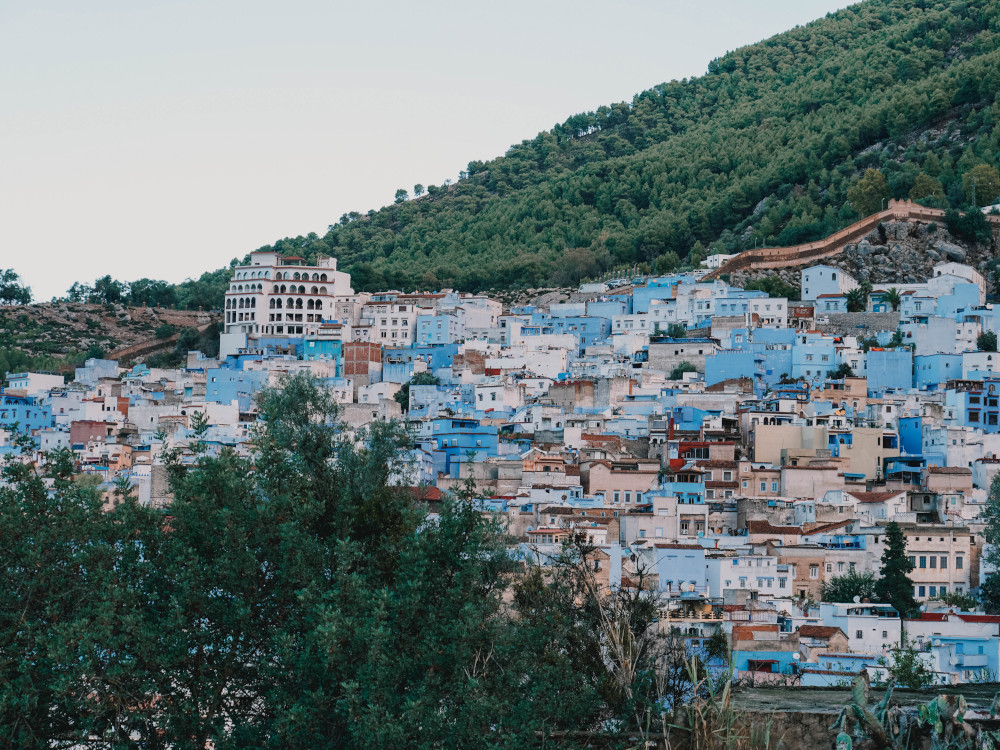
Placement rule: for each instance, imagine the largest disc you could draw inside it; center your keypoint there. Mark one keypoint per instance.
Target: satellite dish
(936, 642)
(796, 656)
(857, 599)
(953, 661)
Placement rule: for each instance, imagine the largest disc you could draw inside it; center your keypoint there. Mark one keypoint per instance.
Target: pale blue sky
(163, 138)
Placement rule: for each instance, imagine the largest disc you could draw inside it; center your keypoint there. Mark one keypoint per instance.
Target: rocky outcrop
(897, 252)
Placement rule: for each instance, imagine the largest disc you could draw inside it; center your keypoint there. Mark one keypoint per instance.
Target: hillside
(59, 336)
(763, 148)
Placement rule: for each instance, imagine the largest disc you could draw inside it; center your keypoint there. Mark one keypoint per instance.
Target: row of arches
(300, 276)
(296, 304)
(300, 289)
(233, 304)
(248, 287)
(253, 274)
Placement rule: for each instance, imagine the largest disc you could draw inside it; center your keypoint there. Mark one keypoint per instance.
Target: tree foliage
(298, 598)
(894, 586)
(852, 584)
(12, 291)
(987, 341)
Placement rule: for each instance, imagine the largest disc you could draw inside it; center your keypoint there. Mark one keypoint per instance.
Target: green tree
(12, 291)
(402, 396)
(926, 188)
(401, 196)
(894, 298)
(677, 331)
(678, 372)
(109, 291)
(990, 588)
(843, 371)
(667, 263)
(987, 341)
(908, 667)
(981, 185)
(868, 194)
(165, 331)
(852, 584)
(857, 300)
(894, 586)
(418, 190)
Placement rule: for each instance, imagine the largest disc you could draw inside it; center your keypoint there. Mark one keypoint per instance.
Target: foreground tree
(299, 598)
(895, 587)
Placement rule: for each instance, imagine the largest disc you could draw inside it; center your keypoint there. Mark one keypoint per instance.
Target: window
(885, 634)
(958, 562)
(913, 559)
(763, 486)
(774, 486)
(933, 564)
(829, 567)
(921, 591)
(782, 583)
(814, 571)
(618, 497)
(923, 562)
(840, 567)
(858, 634)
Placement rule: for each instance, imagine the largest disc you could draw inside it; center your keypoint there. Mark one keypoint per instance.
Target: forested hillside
(763, 148)
(780, 142)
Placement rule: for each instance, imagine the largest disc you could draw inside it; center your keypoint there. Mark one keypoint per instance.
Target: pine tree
(895, 586)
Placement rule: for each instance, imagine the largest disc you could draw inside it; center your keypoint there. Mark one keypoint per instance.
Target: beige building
(621, 483)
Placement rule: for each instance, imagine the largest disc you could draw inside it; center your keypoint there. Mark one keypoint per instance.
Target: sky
(162, 139)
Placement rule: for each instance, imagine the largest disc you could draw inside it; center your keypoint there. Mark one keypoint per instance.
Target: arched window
(282, 288)
(290, 304)
(296, 275)
(253, 302)
(271, 304)
(315, 277)
(298, 304)
(274, 290)
(309, 305)
(322, 290)
(322, 277)
(302, 289)
(314, 291)
(278, 305)
(228, 305)
(319, 304)
(241, 303)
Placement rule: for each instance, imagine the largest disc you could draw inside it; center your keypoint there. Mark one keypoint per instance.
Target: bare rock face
(953, 252)
(896, 252)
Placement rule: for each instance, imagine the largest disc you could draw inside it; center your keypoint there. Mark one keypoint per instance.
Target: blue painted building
(813, 356)
(458, 438)
(728, 364)
(910, 436)
(224, 385)
(933, 370)
(889, 369)
(324, 348)
(24, 413)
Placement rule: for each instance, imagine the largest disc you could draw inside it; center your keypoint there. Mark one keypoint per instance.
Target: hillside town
(734, 451)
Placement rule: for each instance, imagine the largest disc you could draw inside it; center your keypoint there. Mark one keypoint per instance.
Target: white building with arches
(278, 296)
